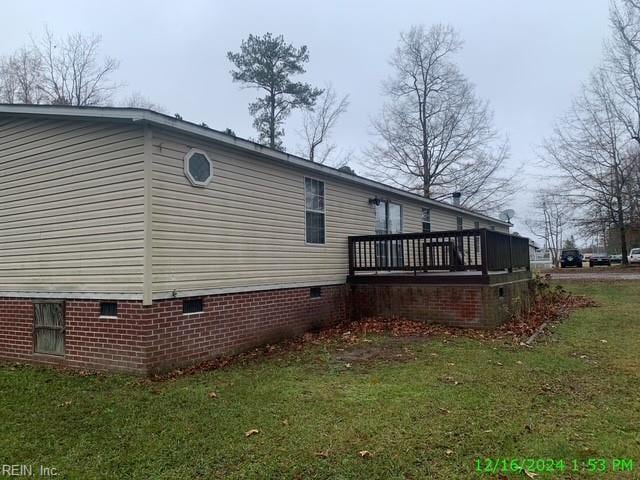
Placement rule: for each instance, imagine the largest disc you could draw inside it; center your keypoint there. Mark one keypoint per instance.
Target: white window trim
(324, 213)
(187, 174)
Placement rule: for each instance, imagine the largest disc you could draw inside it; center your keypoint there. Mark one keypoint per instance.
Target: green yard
(422, 408)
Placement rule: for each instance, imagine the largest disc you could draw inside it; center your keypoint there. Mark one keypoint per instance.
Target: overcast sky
(528, 58)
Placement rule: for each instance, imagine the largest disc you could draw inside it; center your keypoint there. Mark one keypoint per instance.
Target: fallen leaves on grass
(212, 395)
(549, 304)
(323, 454)
(451, 380)
(251, 432)
(364, 453)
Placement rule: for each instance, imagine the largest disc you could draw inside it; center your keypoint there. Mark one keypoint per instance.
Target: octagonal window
(198, 168)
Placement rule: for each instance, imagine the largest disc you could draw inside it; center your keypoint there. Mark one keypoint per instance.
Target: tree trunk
(426, 179)
(272, 126)
(272, 120)
(623, 234)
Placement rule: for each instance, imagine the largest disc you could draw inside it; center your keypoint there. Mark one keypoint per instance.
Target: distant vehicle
(586, 256)
(634, 255)
(599, 259)
(616, 258)
(572, 257)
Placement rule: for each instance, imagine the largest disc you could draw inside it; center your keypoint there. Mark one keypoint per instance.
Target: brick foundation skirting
(143, 339)
(476, 306)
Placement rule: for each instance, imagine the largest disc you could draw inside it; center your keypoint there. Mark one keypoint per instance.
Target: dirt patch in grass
(389, 349)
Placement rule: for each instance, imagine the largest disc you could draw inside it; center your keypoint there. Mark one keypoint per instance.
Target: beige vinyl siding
(71, 215)
(247, 228)
(442, 219)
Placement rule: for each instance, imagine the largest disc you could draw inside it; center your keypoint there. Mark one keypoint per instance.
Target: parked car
(617, 258)
(599, 259)
(571, 258)
(634, 255)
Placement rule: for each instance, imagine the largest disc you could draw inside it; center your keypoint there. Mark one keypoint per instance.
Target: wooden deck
(439, 277)
(457, 256)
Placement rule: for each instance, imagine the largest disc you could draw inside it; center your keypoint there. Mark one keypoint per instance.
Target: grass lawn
(423, 408)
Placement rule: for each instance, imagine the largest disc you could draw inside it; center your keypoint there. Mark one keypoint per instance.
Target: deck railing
(457, 250)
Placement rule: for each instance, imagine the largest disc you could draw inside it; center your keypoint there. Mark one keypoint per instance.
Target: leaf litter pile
(549, 304)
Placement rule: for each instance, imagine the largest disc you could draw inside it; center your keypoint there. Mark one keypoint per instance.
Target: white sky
(528, 58)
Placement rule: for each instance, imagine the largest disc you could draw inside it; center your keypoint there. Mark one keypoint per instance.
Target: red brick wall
(238, 321)
(478, 306)
(106, 343)
(16, 328)
(160, 336)
(90, 341)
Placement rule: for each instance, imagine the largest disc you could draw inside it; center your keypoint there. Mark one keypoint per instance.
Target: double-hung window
(459, 223)
(426, 220)
(314, 211)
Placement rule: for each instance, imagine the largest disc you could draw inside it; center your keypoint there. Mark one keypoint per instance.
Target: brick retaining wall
(477, 306)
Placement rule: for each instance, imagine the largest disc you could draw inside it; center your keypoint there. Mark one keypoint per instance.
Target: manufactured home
(135, 241)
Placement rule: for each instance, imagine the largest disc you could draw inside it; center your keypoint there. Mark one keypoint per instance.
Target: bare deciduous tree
(595, 155)
(73, 74)
(435, 135)
(66, 71)
(550, 222)
(317, 124)
(137, 100)
(21, 77)
(625, 20)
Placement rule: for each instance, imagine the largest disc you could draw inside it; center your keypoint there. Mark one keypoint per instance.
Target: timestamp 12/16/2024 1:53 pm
(551, 465)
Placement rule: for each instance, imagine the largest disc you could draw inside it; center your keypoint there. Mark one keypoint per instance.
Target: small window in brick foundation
(108, 309)
(192, 305)
(501, 292)
(315, 292)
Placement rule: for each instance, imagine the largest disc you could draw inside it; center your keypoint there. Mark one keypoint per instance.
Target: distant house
(135, 241)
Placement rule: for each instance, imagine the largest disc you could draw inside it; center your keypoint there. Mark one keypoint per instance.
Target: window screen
(192, 305)
(314, 211)
(108, 309)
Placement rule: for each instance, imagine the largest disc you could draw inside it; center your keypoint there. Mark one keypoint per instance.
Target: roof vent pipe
(455, 196)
